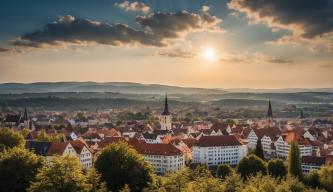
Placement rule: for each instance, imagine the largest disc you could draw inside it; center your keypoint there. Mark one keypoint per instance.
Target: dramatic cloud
(157, 29)
(134, 6)
(180, 53)
(309, 20)
(68, 29)
(174, 25)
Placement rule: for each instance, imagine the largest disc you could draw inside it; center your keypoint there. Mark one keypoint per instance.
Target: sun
(209, 54)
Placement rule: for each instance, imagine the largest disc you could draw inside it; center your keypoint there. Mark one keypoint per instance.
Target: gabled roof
(272, 132)
(57, 148)
(78, 146)
(223, 140)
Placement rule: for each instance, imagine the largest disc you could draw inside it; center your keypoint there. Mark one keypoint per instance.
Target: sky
(192, 43)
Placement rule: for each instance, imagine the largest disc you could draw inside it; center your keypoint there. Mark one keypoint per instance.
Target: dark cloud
(134, 6)
(177, 53)
(157, 28)
(68, 29)
(306, 18)
(173, 25)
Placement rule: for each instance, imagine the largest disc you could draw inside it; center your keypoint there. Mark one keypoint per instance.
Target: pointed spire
(25, 115)
(269, 112)
(166, 106)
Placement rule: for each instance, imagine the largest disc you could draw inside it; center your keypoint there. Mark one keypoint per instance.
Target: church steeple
(166, 106)
(25, 114)
(269, 112)
(165, 117)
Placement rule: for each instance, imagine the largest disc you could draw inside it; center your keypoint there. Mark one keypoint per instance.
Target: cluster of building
(170, 147)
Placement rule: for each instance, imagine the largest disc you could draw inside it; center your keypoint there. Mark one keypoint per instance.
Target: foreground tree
(326, 177)
(206, 184)
(120, 164)
(61, 174)
(259, 152)
(291, 184)
(10, 139)
(312, 179)
(294, 161)
(223, 170)
(18, 167)
(233, 183)
(250, 166)
(276, 168)
(259, 183)
(94, 181)
(199, 172)
(177, 181)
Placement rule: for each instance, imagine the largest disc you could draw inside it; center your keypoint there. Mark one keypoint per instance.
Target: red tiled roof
(109, 140)
(223, 140)
(78, 146)
(57, 148)
(156, 149)
(272, 132)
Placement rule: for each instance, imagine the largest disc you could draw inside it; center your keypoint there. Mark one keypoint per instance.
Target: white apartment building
(163, 157)
(268, 137)
(74, 148)
(215, 150)
(283, 145)
(83, 153)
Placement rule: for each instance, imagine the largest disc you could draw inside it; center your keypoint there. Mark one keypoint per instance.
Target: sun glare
(209, 54)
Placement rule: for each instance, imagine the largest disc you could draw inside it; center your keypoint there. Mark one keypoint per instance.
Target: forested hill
(116, 87)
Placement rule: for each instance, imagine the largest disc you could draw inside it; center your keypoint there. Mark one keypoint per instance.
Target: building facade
(163, 157)
(215, 150)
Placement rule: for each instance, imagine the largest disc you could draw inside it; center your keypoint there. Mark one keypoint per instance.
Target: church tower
(165, 117)
(270, 121)
(25, 119)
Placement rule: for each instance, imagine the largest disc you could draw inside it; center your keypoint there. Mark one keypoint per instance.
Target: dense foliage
(10, 139)
(277, 168)
(120, 164)
(224, 170)
(18, 167)
(65, 174)
(251, 165)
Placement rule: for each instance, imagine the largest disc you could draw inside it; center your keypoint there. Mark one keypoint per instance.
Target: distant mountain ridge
(132, 88)
(117, 87)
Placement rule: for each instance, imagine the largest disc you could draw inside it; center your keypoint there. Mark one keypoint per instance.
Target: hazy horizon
(218, 88)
